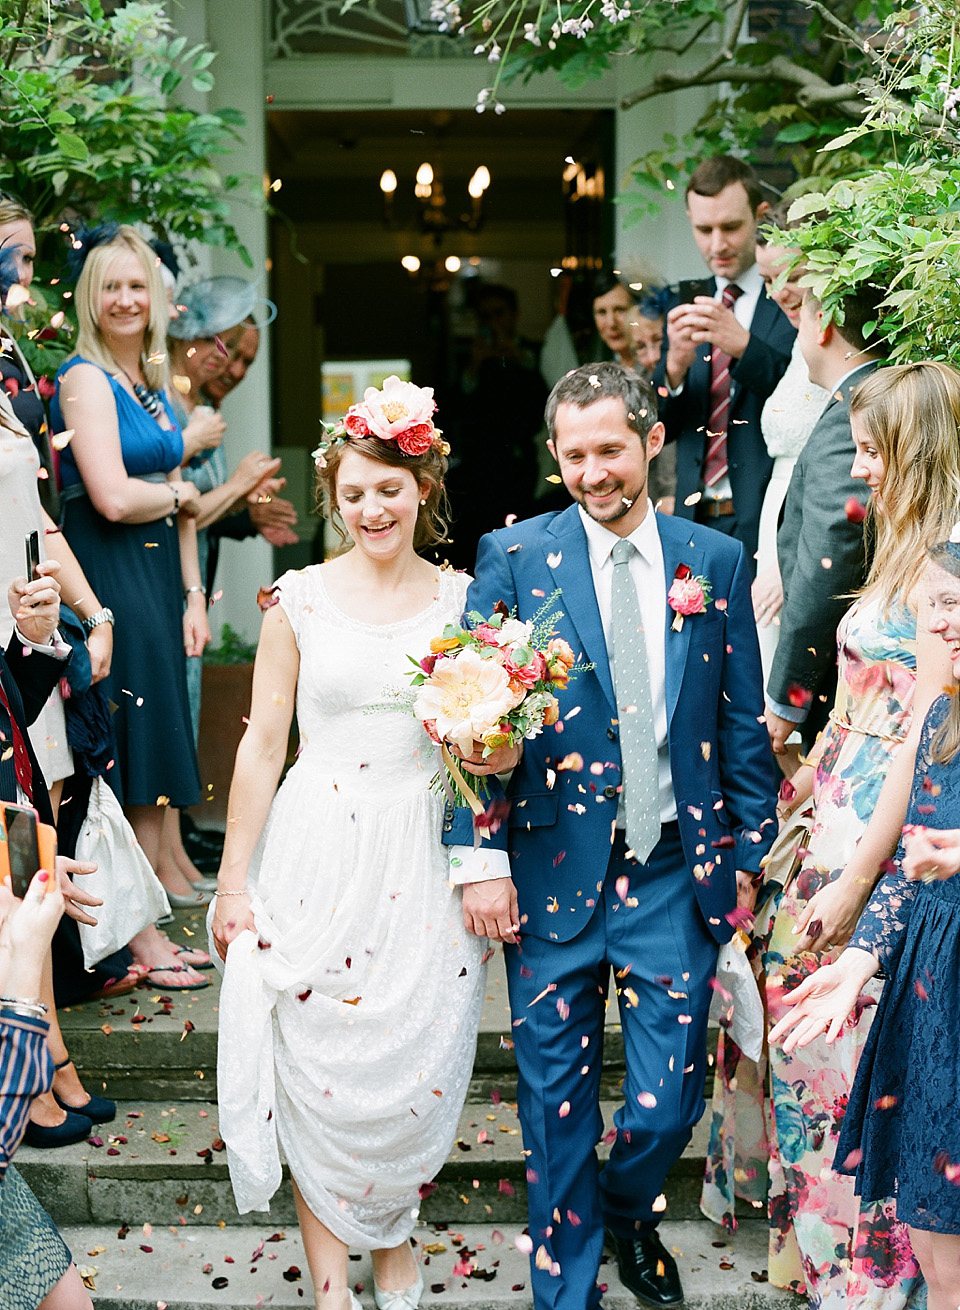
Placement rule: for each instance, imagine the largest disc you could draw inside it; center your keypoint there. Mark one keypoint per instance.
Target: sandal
(195, 959)
(152, 978)
(118, 987)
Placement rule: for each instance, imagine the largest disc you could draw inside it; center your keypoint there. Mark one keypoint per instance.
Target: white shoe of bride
(407, 1298)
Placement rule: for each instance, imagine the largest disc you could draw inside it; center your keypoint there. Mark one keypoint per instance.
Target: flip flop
(193, 958)
(151, 979)
(119, 987)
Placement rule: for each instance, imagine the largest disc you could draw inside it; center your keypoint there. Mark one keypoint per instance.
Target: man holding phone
(726, 347)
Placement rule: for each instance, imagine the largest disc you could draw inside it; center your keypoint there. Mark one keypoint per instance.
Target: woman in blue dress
(901, 1132)
(130, 519)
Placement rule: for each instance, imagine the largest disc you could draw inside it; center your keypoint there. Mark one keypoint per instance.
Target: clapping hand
(929, 854)
(35, 604)
(824, 1001)
(830, 916)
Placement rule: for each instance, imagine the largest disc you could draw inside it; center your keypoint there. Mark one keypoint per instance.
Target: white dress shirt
(646, 570)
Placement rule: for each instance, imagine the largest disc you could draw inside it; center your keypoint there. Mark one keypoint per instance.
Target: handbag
(132, 894)
(736, 1003)
(782, 862)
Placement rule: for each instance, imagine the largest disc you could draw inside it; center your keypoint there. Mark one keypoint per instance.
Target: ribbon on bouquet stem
(467, 792)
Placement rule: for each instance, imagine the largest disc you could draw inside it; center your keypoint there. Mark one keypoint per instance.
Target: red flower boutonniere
(687, 595)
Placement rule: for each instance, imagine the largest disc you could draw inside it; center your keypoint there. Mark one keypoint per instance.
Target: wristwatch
(94, 621)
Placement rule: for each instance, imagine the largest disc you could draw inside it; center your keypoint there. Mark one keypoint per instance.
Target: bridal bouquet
(491, 681)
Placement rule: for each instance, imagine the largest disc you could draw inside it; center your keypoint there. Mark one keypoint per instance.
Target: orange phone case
(46, 845)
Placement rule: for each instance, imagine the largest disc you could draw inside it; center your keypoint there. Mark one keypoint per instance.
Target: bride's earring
(424, 501)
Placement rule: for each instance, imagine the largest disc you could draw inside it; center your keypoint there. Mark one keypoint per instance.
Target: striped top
(26, 1069)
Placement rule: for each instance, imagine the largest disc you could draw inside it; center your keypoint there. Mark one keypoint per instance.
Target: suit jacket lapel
(677, 550)
(569, 561)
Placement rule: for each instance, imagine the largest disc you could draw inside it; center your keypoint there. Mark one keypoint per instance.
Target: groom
(631, 833)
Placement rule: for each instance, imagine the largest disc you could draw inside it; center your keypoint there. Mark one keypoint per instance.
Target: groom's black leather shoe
(647, 1269)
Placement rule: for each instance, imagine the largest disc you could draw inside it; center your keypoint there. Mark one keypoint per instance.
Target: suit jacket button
(448, 827)
(611, 734)
(610, 792)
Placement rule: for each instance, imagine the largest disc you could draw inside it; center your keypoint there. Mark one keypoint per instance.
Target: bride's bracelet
(242, 892)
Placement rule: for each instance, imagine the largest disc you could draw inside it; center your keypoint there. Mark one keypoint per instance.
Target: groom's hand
(490, 909)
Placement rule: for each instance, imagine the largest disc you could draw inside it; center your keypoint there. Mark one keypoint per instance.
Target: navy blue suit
(752, 379)
(660, 928)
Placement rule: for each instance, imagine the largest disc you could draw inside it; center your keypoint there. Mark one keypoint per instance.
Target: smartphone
(26, 845)
(32, 544)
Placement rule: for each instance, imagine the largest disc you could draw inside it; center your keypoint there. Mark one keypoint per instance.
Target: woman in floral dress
(823, 1242)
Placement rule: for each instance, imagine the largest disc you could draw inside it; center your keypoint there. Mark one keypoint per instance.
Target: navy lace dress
(901, 1132)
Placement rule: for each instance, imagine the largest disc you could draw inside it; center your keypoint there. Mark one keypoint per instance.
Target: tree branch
(15, 40)
(811, 88)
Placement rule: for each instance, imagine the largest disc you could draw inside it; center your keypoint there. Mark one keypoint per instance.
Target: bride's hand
(503, 760)
(231, 917)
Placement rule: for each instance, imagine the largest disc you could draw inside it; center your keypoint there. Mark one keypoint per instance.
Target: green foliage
(89, 131)
(897, 226)
(233, 649)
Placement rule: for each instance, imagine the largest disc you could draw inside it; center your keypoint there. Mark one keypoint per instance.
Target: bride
(351, 992)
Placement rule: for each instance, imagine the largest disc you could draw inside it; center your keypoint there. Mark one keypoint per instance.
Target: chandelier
(430, 201)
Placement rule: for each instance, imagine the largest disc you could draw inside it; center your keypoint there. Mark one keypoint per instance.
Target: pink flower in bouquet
(489, 636)
(466, 696)
(528, 675)
(688, 596)
(396, 408)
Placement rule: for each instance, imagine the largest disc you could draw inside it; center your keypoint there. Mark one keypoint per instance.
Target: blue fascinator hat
(215, 304)
(82, 240)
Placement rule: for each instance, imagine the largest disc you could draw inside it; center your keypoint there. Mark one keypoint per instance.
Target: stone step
(165, 1164)
(209, 1268)
(162, 1046)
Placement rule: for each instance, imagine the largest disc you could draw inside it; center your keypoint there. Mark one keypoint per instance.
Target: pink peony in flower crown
(399, 412)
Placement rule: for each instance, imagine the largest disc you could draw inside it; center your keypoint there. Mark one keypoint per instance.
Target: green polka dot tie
(638, 739)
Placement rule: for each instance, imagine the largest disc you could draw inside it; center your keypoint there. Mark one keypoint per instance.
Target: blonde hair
(13, 210)
(88, 298)
(912, 415)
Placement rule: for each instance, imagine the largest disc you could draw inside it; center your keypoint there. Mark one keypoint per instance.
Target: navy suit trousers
(648, 929)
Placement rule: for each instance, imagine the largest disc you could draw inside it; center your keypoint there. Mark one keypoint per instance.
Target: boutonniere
(687, 595)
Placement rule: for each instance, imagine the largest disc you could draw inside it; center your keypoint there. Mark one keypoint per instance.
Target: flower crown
(399, 412)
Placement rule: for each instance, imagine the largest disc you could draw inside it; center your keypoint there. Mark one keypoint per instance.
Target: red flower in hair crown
(687, 595)
(398, 412)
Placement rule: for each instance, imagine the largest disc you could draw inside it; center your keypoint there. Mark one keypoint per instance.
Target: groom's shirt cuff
(477, 864)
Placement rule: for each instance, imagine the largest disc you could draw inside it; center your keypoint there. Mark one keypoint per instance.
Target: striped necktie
(21, 756)
(715, 464)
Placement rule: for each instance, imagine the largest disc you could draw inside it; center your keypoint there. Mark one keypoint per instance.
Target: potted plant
(227, 686)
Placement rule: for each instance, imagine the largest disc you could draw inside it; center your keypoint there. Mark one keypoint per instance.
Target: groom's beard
(620, 502)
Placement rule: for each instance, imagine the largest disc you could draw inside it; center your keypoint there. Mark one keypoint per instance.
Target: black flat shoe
(75, 1128)
(647, 1269)
(97, 1109)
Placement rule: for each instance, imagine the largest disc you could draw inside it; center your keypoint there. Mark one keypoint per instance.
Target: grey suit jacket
(821, 553)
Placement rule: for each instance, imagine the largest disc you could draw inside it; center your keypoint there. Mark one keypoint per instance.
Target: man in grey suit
(820, 542)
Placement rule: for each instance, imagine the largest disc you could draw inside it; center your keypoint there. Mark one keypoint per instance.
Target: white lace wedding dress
(348, 1031)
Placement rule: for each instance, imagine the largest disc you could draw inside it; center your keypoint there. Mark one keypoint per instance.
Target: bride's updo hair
(429, 470)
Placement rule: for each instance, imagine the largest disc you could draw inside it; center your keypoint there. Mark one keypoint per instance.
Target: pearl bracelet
(242, 892)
